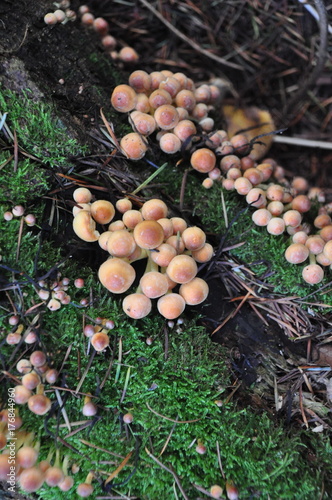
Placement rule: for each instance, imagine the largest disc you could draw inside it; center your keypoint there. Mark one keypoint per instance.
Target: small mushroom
(85, 227)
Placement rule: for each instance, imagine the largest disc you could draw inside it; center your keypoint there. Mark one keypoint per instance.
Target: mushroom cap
(182, 269)
(154, 284)
(296, 253)
(194, 238)
(39, 404)
(82, 195)
(148, 234)
(261, 217)
(100, 341)
(313, 274)
(163, 254)
(170, 306)
(123, 98)
(116, 275)
(195, 291)
(133, 146)
(204, 254)
(121, 243)
(154, 209)
(169, 143)
(102, 211)
(31, 479)
(203, 160)
(328, 250)
(136, 305)
(85, 227)
(166, 116)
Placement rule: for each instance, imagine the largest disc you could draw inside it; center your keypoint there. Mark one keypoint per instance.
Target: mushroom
(123, 98)
(154, 284)
(154, 209)
(182, 269)
(148, 234)
(116, 275)
(85, 227)
(82, 195)
(203, 160)
(169, 143)
(121, 243)
(30, 480)
(171, 306)
(100, 341)
(39, 403)
(166, 117)
(133, 146)
(102, 211)
(136, 305)
(261, 217)
(195, 291)
(296, 253)
(193, 238)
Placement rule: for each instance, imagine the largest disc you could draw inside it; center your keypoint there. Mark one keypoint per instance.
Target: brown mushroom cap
(116, 275)
(166, 116)
(136, 305)
(296, 253)
(204, 254)
(133, 146)
(39, 404)
(102, 211)
(170, 306)
(313, 274)
(193, 238)
(100, 341)
(82, 195)
(154, 209)
(85, 227)
(121, 243)
(148, 234)
(154, 284)
(123, 98)
(31, 479)
(182, 269)
(203, 160)
(163, 254)
(195, 291)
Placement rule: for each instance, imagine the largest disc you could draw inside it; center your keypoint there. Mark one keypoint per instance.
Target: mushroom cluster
(280, 207)
(35, 373)
(169, 104)
(20, 459)
(172, 250)
(18, 211)
(101, 26)
(176, 110)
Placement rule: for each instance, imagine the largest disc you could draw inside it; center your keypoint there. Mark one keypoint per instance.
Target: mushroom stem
(65, 463)
(312, 258)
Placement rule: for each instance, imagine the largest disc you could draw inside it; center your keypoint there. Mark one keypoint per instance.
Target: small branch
(193, 44)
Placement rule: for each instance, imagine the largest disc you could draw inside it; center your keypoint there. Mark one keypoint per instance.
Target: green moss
(261, 458)
(38, 130)
(29, 180)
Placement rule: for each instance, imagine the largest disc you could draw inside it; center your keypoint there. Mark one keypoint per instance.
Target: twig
(294, 102)
(191, 42)
(297, 141)
(168, 470)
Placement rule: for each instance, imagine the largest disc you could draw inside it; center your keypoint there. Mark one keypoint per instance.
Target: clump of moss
(171, 395)
(28, 180)
(39, 131)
